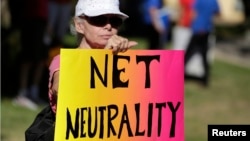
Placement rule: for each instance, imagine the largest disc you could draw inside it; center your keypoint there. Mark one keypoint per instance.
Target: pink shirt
(54, 66)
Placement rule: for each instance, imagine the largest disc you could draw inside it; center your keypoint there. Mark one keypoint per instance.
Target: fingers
(119, 44)
(132, 44)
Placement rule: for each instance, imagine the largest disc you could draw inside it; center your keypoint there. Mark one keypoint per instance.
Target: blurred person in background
(59, 16)
(182, 31)
(202, 27)
(156, 19)
(33, 53)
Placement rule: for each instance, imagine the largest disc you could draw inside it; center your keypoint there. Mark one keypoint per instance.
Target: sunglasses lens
(115, 21)
(98, 21)
(103, 20)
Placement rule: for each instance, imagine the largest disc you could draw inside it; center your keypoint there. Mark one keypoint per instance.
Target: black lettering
(101, 109)
(90, 133)
(150, 118)
(83, 134)
(96, 117)
(125, 120)
(94, 68)
(70, 128)
(111, 117)
(116, 73)
(159, 106)
(173, 110)
(147, 60)
(137, 111)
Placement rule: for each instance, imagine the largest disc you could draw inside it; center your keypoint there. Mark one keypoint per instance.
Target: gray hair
(73, 31)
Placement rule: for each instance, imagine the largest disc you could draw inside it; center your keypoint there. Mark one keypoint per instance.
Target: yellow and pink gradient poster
(133, 96)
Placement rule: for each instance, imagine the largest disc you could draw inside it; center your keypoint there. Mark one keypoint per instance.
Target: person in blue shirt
(202, 26)
(156, 20)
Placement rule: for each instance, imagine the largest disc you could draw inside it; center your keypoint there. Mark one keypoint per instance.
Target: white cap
(93, 8)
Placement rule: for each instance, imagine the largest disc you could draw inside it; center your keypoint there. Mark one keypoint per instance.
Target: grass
(14, 120)
(225, 101)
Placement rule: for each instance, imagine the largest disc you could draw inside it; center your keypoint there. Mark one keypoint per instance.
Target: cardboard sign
(132, 96)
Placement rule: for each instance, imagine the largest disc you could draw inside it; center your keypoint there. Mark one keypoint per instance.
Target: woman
(96, 24)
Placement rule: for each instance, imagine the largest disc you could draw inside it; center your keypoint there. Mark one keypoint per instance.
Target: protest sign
(131, 96)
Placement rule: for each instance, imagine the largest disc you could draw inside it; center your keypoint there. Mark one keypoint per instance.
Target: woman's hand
(119, 44)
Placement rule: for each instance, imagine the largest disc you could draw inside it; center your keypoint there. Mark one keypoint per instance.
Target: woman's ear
(79, 25)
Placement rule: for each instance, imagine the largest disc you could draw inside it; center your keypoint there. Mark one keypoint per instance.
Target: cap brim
(103, 12)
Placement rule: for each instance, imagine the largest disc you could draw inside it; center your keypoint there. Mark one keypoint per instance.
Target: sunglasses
(102, 20)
